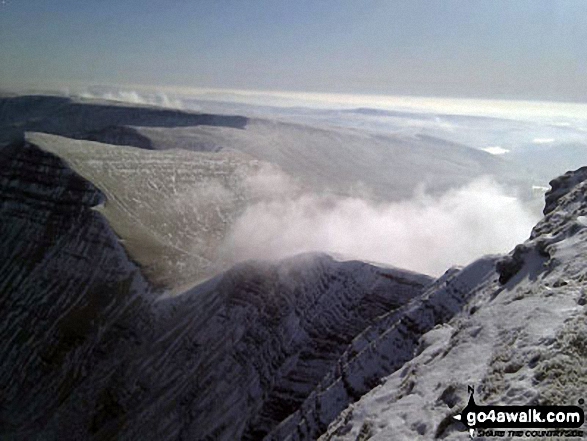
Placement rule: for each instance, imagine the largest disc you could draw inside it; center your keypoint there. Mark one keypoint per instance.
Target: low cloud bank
(133, 97)
(495, 150)
(425, 234)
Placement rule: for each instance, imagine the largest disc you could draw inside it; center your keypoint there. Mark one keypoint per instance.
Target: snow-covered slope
(65, 281)
(521, 341)
(339, 159)
(171, 208)
(383, 348)
(244, 350)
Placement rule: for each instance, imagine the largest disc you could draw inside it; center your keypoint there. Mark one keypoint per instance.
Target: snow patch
(495, 150)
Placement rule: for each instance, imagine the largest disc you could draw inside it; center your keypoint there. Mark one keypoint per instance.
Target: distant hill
(324, 158)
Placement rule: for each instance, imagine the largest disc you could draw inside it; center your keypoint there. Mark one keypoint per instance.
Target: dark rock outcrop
(66, 281)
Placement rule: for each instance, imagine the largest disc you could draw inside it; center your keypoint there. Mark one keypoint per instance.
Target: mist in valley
(426, 233)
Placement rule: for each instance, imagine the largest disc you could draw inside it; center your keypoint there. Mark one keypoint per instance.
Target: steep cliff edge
(521, 339)
(171, 208)
(65, 283)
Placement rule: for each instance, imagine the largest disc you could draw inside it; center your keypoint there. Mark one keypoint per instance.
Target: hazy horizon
(176, 97)
(525, 50)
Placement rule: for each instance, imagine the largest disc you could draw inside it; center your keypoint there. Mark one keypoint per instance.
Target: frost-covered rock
(66, 286)
(565, 186)
(260, 338)
(384, 348)
(521, 339)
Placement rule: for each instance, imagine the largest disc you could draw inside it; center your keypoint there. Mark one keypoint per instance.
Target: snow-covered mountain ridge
(521, 341)
(65, 284)
(91, 351)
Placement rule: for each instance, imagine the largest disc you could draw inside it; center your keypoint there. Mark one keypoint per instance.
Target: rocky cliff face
(66, 282)
(520, 339)
(383, 348)
(171, 208)
(245, 349)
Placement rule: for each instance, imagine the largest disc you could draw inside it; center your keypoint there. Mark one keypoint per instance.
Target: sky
(522, 49)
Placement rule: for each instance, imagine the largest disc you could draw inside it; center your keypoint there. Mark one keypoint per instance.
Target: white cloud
(424, 234)
(160, 99)
(542, 140)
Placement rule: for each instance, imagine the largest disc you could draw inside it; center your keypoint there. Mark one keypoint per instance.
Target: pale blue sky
(501, 49)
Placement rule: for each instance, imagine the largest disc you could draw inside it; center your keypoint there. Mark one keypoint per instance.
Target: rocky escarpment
(383, 348)
(295, 349)
(65, 283)
(238, 354)
(171, 208)
(521, 338)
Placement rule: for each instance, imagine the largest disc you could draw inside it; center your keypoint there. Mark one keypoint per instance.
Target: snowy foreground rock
(304, 348)
(520, 342)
